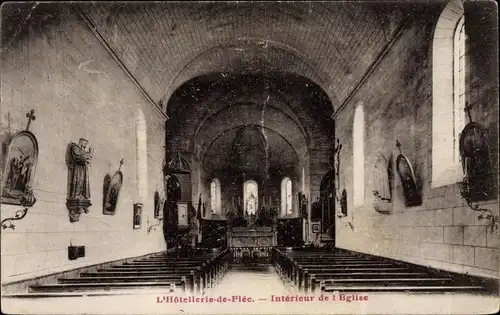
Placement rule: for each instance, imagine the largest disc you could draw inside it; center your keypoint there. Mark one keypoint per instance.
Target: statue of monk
(79, 160)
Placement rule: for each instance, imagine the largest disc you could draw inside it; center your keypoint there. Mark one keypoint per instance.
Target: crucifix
(31, 117)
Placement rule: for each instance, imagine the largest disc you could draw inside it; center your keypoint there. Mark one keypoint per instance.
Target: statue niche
(78, 159)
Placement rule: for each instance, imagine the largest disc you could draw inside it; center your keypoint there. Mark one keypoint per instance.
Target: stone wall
(397, 100)
(62, 72)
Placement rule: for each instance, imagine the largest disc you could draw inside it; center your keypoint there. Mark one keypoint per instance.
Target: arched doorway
(327, 199)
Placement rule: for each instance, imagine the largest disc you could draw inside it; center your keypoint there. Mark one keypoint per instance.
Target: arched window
(286, 196)
(141, 141)
(215, 198)
(448, 94)
(358, 156)
(250, 197)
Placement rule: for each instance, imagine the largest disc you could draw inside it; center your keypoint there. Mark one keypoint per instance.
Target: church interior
(251, 149)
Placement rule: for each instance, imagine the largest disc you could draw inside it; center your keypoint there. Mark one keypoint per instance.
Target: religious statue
(78, 158)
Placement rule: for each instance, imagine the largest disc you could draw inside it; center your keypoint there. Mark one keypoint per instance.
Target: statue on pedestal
(78, 159)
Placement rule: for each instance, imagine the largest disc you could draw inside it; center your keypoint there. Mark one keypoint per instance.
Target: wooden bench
(342, 271)
(192, 274)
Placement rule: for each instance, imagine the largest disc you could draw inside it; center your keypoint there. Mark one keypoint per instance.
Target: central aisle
(257, 281)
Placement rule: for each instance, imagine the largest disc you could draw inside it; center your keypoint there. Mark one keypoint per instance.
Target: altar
(252, 243)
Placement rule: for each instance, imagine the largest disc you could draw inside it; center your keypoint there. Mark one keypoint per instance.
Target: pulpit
(252, 243)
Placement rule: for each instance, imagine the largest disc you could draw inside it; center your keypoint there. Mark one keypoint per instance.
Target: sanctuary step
(164, 272)
(328, 270)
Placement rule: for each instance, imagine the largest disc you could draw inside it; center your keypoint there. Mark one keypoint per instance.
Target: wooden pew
(192, 274)
(341, 271)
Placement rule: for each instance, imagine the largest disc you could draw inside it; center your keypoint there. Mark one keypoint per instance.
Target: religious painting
(137, 215)
(79, 155)
(19, 168)
(316, 227)
(112, 187)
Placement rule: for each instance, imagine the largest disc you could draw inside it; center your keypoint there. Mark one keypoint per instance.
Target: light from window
(448, 94)
(459, 87)
(286, 196)
(251, 197)
(215, 196)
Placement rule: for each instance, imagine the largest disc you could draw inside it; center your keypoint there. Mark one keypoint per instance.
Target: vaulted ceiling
(219, 69)
(213, 116)
(166, 44)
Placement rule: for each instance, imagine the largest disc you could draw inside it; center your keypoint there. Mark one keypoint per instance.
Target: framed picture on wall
(137, 215)
(19, 167)
(316, 227)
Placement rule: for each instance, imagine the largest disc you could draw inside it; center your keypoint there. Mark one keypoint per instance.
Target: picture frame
(112, 186)
(316, 227)
(137, 220)
(19, 167)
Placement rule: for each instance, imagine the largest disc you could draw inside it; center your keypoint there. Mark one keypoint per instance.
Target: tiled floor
(259, 285)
